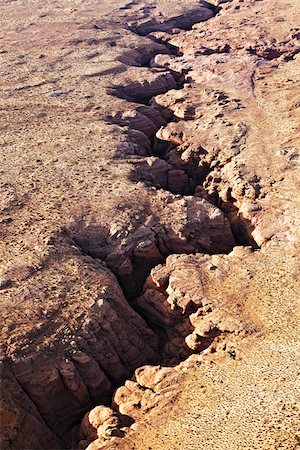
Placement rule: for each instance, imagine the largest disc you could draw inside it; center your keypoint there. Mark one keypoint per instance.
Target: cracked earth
(149, 276)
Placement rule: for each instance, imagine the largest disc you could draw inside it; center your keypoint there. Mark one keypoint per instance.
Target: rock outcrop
(224, 130)
(149, 200)
(174, 300)
(232, 383)
(132, 247)
(66, 365)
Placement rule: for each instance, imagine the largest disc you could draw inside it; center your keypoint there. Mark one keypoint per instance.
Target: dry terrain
(150, 224)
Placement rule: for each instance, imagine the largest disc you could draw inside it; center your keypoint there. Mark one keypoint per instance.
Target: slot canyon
(150, 225)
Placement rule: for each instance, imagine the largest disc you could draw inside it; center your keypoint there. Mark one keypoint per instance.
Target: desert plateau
(150, 224)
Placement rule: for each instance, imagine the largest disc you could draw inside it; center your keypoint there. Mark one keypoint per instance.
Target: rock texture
(176, 225)
(241, 74)
(149, 210)
(79, 348)
(242, 391)
(174, 300)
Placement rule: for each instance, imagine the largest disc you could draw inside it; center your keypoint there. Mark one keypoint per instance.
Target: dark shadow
(184, 22)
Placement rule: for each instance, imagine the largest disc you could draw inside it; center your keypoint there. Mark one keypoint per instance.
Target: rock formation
(66, 365)
(176, 225)
(149, 199)
(243, 388)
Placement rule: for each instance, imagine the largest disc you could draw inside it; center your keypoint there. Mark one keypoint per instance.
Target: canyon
(149, 276)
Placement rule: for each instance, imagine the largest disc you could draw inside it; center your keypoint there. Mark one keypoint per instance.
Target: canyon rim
(149, 273)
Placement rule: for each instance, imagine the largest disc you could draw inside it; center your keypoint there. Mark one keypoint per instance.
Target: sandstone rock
(101, 422)
(73, 376)
(257, 319)
(176, 225)
(87, 161)
(19, 416)
(179, 305)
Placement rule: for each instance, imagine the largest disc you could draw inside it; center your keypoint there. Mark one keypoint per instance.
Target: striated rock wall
(247, 374)
(174, 299)
(187, 299)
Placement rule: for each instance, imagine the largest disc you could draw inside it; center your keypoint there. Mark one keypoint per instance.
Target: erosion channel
(157, 221)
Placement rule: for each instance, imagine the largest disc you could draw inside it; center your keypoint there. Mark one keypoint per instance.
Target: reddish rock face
(69, 371)
(149, 178)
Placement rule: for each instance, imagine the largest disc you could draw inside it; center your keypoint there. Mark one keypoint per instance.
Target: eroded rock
(85, 169)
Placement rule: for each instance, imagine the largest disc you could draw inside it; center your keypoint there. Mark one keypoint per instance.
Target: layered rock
(224, 134)
(234, 130)
(174, 300)
(81, 198)
(258, 325)
(151, 389)
(176, 225)
(146, 84)
(73, 359)
(21, 421)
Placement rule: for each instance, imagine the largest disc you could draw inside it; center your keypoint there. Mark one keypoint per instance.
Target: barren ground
(149, 198)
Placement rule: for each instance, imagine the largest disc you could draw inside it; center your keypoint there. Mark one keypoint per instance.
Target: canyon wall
(148, 191)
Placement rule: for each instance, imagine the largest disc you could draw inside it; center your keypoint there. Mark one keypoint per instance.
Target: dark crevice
(164, 326)
(183, 179)
(184, 22)
(178, 178)
(214, 8)
(190, 179)
(241, 227)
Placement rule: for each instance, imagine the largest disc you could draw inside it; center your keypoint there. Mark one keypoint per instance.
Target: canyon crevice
(150, 224)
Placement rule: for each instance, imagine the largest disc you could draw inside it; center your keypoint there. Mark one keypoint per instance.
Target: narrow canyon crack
(184, 226)
(148, 218)
(164, 171)
(159, 165)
